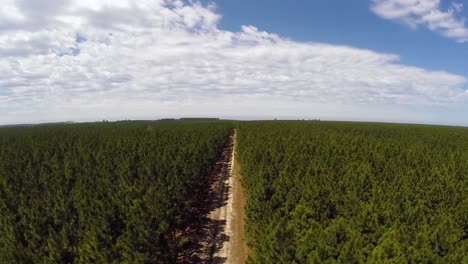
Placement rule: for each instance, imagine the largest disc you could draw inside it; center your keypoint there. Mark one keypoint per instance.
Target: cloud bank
(64, 59)
(427, 13)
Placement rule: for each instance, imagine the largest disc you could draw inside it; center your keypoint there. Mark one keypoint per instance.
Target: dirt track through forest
(238, 247)
(218, 234)
(222, 237)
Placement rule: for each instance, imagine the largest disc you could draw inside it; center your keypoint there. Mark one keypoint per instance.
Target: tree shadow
(207, 232)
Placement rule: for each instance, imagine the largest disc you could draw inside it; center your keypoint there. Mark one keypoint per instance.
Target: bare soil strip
(219, 233)
(236, 220)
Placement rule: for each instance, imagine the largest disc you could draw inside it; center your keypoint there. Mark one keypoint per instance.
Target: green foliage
(325, 192)
(102, 193)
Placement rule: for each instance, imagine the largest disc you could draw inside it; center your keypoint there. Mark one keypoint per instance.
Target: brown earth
(239, 249)
(217, 236)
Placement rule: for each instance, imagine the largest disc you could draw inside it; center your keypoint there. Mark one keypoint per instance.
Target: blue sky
(348, 23)
(366, 60)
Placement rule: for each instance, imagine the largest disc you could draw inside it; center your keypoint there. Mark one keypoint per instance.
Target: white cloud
(427, 13)
(127, 58)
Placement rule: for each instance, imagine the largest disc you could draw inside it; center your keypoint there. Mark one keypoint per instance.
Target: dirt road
(221, 239)
(236, 215)
(218, 234)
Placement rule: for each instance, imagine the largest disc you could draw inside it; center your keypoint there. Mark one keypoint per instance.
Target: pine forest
(316, 192)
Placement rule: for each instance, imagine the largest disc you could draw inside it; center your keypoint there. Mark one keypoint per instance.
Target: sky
(362, 60)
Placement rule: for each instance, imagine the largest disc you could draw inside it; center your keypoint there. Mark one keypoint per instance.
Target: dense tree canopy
(318, 192)
(321, 192)
(102, 193)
